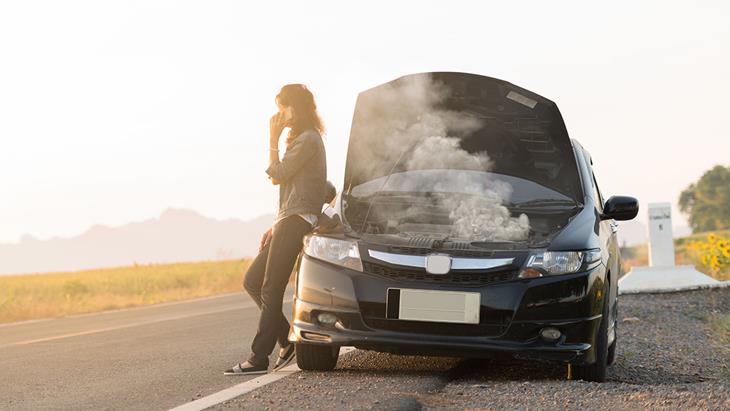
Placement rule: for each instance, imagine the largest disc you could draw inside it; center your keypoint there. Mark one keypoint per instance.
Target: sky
(111, 112)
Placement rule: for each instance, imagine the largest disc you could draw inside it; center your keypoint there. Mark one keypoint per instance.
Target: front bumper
(512, 315)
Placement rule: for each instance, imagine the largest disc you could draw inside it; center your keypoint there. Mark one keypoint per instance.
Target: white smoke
(486, 219)
(402, 123)
(400, 116)
(436, 152)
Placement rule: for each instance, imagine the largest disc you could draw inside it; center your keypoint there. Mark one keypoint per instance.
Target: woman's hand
(276, 126)
(264, 239)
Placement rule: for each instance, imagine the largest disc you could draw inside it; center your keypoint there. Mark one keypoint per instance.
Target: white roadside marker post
(661, 240)
(662, 275)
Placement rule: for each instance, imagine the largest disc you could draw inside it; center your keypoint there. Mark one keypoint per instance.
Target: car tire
(597, 371)
(611, 353)
(312, 357)
(612, 348)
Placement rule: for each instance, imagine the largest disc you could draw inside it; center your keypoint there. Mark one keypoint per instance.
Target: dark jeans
(266, 281)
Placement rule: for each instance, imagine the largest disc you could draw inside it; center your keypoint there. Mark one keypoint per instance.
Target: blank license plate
(435, 306)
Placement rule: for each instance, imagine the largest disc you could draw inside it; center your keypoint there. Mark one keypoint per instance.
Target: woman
(301, 176)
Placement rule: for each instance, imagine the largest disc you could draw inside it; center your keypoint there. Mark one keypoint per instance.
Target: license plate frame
(457, 307)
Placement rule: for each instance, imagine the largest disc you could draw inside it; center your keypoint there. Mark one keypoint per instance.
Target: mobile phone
(287, 114)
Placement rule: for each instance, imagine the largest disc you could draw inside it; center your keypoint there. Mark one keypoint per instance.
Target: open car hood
(522, 133)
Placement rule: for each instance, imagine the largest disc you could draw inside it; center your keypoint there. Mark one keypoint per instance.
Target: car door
(608, 238)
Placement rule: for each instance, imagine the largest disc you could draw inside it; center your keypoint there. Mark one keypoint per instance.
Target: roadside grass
(34, 296)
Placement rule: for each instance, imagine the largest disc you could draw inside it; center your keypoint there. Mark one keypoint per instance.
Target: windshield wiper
(544, 202)
(388, 194)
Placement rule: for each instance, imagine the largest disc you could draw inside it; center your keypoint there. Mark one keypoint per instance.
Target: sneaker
(286, 355)
(246, 369)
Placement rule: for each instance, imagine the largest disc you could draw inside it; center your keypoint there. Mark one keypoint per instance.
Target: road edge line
(244, 387)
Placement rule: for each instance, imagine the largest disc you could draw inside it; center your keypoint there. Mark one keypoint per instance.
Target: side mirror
(620, 208)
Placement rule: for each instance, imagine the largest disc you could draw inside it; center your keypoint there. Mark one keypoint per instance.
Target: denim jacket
(301, 175)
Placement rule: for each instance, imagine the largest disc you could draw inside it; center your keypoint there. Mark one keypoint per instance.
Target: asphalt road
(147, 358)
(162, 356)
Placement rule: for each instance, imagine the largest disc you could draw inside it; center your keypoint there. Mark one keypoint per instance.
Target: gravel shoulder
(668, 357)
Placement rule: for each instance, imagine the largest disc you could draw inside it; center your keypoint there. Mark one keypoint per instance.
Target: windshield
(511, 190)
(463, 205)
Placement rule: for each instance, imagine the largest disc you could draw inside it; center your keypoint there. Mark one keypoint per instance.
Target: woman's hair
(301, 100)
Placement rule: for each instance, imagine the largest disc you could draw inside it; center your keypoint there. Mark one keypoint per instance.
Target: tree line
(707, 201)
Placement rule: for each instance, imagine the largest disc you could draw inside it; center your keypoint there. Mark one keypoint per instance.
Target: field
(34, 296)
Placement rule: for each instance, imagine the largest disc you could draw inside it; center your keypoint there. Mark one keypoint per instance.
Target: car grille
(454, 277)
(493, 323)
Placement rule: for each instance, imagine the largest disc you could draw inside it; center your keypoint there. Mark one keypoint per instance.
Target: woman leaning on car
(301, 176)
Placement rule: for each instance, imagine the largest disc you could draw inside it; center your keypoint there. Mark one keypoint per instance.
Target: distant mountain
(177, 235)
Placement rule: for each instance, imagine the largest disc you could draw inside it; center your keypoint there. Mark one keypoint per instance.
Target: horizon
(678, 229)
(178, 236)
(140, 117)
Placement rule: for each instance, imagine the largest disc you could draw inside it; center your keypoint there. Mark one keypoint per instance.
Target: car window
(597, 193)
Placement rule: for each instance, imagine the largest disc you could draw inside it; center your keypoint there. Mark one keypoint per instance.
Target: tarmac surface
(147, 358)
(163, 356)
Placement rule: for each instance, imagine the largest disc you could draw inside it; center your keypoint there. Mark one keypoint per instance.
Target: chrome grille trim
(457, 263)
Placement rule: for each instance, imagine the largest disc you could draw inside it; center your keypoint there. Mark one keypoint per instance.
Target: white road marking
(130, 325)
(244, 387)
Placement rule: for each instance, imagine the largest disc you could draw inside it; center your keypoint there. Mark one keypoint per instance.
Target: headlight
(333, 250)
(560, 262)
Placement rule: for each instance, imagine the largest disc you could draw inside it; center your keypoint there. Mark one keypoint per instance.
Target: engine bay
(430, 220)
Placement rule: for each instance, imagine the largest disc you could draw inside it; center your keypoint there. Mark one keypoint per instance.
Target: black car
(471, 226)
